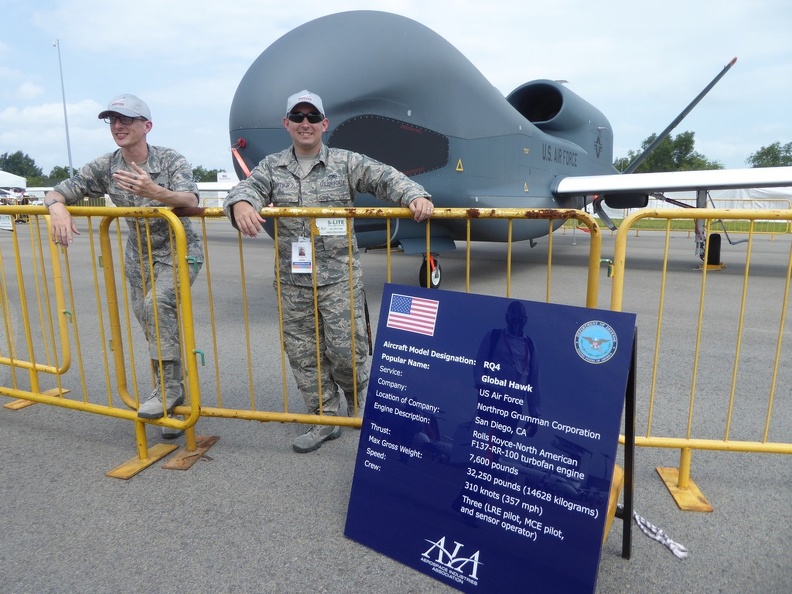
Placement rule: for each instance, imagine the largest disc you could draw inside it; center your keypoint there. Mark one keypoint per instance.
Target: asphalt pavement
(252, 516)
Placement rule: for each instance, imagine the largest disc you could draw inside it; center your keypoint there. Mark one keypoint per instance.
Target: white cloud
(29, 90)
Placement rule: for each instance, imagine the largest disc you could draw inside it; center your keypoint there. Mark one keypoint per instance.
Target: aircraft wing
(715, 179)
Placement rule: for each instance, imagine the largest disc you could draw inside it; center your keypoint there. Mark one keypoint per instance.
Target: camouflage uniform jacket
(168, 169)
(333, 180)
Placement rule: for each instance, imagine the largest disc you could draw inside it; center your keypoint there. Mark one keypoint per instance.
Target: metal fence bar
(711, 313)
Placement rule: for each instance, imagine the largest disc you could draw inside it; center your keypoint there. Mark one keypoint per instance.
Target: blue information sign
(489, 439)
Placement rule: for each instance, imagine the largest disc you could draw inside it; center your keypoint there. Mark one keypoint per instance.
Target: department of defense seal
(596, 342)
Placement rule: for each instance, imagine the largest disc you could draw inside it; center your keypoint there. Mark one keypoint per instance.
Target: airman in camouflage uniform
(310, 174)
(135, 175)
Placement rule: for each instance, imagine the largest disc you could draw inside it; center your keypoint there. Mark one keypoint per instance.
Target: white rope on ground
(655, 533)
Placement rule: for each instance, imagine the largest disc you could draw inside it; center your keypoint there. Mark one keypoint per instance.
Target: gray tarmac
(254, 517)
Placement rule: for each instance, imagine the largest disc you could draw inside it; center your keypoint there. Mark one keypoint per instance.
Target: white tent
(779, 198)
(9, 180)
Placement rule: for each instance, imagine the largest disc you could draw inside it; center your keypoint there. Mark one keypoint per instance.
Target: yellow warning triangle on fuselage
(459, 166)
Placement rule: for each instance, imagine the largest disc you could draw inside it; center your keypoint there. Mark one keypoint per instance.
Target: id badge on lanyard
(302, 257)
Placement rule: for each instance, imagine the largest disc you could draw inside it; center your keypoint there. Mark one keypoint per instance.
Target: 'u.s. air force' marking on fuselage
(559, 156)
(596, 342)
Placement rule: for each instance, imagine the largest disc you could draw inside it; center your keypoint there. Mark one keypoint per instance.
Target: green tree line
(674, 153)
(679, 154)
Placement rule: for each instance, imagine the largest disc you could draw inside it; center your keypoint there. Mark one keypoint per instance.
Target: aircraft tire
(434, 279)
(714, 251)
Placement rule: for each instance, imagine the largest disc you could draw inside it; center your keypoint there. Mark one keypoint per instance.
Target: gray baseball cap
(127, 105)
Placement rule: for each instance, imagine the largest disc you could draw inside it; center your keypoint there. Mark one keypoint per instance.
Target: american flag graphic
(412, 314)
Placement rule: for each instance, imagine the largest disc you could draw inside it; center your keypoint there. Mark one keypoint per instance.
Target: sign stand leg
(625, 513)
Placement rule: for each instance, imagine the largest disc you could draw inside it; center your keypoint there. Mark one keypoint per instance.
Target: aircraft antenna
(640, 159)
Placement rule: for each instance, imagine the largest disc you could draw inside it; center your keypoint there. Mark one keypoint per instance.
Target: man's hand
(247, 218)
(138, 181)
(422, 208)
(62, 225)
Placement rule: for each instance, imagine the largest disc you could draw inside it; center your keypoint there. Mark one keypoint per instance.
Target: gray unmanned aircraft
(397, 91)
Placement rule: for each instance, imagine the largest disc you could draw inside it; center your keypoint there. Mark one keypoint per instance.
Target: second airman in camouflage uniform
(310, 174)
(135, 175)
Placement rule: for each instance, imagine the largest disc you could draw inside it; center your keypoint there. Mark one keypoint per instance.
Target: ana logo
(596, 342)
(452, 564)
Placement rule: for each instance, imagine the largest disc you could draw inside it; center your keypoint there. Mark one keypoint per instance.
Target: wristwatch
(50, 203)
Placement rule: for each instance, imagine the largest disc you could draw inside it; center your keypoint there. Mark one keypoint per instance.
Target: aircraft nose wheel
(435, 277)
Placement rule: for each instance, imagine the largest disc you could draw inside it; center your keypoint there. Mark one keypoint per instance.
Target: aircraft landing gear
(435, 276)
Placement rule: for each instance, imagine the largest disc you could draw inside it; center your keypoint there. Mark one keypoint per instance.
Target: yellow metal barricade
(717, 331)
(83, 314)
(57, 337)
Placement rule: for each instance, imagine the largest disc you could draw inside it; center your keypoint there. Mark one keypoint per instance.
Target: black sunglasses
(297, 117)
(125, 120)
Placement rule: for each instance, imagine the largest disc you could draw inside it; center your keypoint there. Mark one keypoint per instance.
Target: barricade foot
(22, 403)
(129, 469)
(185, 459)
(687, 498)
(19, 404)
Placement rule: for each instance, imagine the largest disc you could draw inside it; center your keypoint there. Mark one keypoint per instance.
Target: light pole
(65, 117)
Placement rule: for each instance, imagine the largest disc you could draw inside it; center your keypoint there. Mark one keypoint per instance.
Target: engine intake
(551, 107)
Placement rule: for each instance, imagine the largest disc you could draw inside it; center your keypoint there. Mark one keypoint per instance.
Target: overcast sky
(640, 63)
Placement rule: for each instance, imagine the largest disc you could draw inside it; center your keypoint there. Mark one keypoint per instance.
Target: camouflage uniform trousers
(335, 344)
(164, 344)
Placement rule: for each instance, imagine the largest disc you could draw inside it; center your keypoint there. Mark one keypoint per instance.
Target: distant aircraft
(397, 91)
